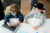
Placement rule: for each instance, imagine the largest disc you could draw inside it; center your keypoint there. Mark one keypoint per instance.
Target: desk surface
(45, 27)
(2, 29)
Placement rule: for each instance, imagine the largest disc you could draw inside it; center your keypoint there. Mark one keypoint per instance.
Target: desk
(44, 29)
(2, 29)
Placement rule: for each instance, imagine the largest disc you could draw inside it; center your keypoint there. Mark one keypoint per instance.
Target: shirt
(18, 15)
(39, 15)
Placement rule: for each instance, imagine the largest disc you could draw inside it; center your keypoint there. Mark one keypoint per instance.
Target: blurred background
(25, 5)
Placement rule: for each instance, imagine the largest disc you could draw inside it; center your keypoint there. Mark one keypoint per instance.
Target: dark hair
(16, 7)
(40, 6)
(42, 12)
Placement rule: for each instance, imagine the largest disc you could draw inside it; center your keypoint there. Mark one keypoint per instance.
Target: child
(36, 15)
(14, 17)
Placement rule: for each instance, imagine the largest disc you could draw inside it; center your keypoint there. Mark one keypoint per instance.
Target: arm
(21, 18)
(8, 24)
(6, 20)
(42, 20)
(29, 15)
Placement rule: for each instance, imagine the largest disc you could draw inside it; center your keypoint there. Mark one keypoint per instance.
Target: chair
(7, 10)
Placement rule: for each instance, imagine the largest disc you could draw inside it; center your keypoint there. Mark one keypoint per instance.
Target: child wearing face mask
(14, 17)
(36, 17)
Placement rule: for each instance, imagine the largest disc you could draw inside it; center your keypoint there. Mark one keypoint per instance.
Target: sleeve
(42, 20)
(21, 18)
(6, 19)
(30, 14)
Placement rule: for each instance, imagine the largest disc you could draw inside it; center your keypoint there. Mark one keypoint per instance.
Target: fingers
(15, 24)
(35, 27)
(8, 24)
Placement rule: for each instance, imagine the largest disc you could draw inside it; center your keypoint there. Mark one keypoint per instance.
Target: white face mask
(13, 13)
(37, 10)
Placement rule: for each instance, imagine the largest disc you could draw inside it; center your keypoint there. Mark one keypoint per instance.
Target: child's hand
(15, 24)
(25, 20)
(35, 27)
(8, 24)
